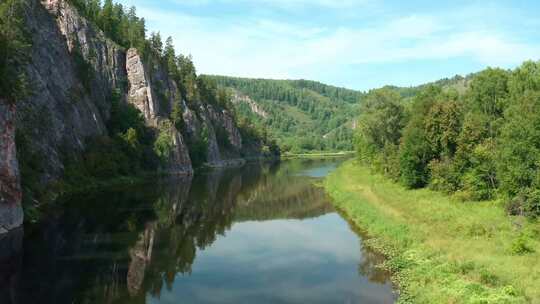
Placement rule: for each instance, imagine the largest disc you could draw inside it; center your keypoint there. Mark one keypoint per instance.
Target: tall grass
(440, 249)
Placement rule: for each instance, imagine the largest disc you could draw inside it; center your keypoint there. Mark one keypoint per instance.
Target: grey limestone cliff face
(73, 71)
(179, 161)
(150, 88)
(152, 92)
(11, 215)
(107, 59)
(140, 92)
(255, 108)
(209, 118)
(63, 110)
(70, 102)
(223, 119)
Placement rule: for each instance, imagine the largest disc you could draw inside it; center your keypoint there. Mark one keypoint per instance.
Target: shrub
(526, 202)
(414, 156)
(521, 246)
(198, 148)
(177, 117)
(444, 176)
(164, 145)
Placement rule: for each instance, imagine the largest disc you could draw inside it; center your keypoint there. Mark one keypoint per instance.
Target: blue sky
(360, 44)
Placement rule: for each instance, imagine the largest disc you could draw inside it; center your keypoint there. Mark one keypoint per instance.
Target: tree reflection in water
(117, 246)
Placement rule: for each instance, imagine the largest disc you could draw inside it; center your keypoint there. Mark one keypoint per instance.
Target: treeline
(458, 83)
(14, 46)
(479, 145)
(118, 23)
(302, 115)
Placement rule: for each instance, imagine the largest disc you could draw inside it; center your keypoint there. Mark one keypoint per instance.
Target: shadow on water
(262, 233)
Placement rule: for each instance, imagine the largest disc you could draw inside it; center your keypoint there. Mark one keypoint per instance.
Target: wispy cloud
(274, 46)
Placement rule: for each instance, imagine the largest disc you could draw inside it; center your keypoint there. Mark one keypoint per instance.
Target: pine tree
(13, 51)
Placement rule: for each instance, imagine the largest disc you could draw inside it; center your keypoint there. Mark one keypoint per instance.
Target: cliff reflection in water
(121, 246)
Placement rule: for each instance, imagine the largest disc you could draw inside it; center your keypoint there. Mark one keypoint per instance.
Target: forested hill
(458, 83)
(301, 115)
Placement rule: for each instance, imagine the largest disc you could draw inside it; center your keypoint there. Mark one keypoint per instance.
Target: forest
(477, 139)
(302, 115)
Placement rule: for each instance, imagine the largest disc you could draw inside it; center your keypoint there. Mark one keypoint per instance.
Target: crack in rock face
(11, 214)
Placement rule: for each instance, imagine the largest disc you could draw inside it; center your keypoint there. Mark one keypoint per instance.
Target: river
(263, 233)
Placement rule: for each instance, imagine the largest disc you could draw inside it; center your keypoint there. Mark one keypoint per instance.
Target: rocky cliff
(152, 92)
(210, 122)
(255, 107)
(74, 71)
(11, 215)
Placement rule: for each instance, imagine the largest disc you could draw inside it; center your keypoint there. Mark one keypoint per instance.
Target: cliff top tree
(13, 48)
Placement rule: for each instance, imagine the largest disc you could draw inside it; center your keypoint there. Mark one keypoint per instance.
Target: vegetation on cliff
(13, 51)
(94, 136)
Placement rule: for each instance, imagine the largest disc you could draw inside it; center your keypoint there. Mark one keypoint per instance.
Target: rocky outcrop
(73, 71)
(255, 108)
(179, 161)
(151, 89)
(11, 214)
(198, 125)
(223, 119)
(153, 93)
(140, 87)
(107, 59)
(209, 119)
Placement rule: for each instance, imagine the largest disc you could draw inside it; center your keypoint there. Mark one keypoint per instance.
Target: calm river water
(257, 234)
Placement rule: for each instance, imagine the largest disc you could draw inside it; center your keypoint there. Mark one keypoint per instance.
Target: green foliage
(301, 115)
(128, 149)
(163, 146)
(382, 119)
(521, 246)
(14, 48)
(198, 148)
(121, 25)
(31, 168)
(177, 117)
(480, 180)
(222, 137)
(414, 156)
(439, 250)
(479, 142)
(444, 176)
(379, 130)
(186, 77)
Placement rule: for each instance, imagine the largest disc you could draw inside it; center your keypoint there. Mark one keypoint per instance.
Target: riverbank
(316, 155)
(442, 250)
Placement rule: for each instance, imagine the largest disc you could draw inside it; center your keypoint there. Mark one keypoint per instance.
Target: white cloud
(287, 4)
(266, 47)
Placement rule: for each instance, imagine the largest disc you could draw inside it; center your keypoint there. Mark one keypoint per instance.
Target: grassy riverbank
(440, 249)
(316, 155)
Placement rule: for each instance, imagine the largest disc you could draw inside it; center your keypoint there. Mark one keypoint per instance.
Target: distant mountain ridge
(302, 115)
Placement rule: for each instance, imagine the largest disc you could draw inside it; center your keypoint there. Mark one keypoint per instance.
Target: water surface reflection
(258, 234)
